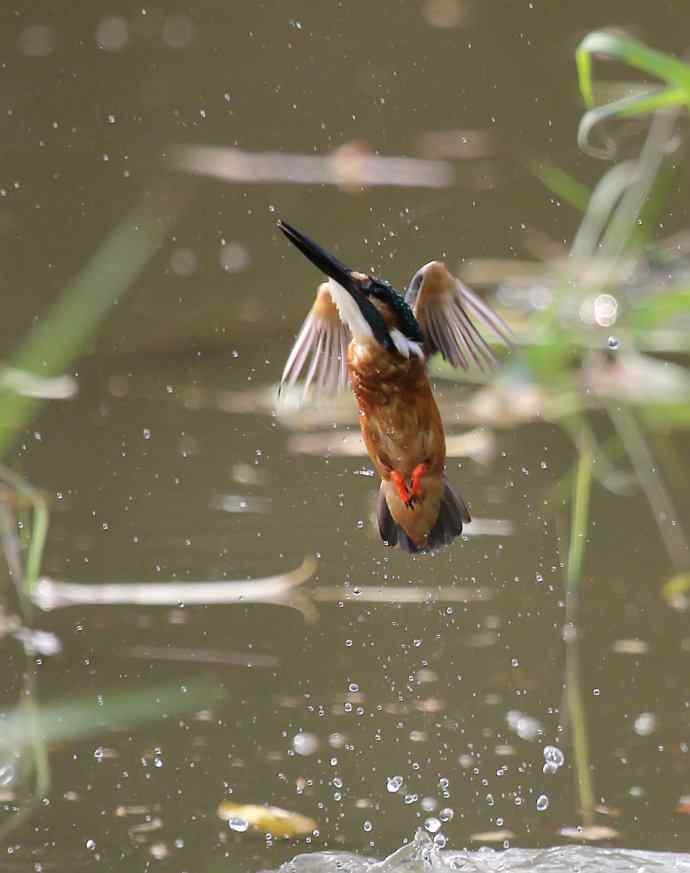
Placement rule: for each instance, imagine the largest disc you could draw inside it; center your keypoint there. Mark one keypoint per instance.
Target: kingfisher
(361, 331)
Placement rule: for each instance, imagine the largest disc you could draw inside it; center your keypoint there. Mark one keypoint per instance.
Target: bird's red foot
(418, 474)
(401, 484)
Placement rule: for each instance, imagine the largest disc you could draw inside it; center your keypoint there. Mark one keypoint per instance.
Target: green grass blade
(74, 719)
(633, 53)
(626, 107)
(573, 693)
(578, 527)
(63, 333)
(562, 184)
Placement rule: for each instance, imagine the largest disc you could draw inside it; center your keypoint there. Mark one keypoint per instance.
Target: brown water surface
(155, 475)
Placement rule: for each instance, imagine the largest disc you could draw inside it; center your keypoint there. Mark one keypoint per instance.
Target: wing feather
(446, 310)
(320, 349)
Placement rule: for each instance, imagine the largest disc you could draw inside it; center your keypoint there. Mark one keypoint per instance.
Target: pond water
(393, 693)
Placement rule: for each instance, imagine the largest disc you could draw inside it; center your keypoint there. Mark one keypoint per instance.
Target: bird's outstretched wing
(320, 350)
(444, 309)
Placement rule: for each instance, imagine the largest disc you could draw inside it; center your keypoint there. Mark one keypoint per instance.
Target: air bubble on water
(542, 803)
(432, 824)
(394, 784)
(614, 343)
(645, 724)
(305, 743)
(7, 774)
(238, 824)
(554, 756)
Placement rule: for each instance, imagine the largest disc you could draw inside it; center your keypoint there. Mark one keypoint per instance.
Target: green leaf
(626, 107)
(74, 719)
(678, 584)
(658, 309)
(633, 53)
(562, 184)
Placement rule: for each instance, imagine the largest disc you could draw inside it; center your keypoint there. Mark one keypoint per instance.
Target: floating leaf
(266, 819)
(676, 586)
(591, 833)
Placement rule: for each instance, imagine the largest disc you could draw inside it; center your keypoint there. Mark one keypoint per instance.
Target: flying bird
(361, 331)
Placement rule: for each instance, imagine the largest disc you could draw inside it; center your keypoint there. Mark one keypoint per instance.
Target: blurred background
(149, 151)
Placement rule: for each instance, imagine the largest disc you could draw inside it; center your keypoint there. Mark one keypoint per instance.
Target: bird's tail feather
(452, 513)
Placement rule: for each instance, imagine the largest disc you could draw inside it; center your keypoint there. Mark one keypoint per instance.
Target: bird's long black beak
(352, 282)
(320, 257)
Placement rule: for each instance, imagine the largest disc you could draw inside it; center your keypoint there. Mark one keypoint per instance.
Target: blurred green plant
(65, 331)
(35, 374)
(673, 72)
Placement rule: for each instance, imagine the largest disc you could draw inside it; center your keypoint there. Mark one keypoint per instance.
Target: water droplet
(645, 724)
(614, 343)
(238, 824)
(90, 844)
(7, 774)
(542, 803)
(440, 841)
(432, 824)
(394, 784)
(367, 826)
(446, 814)
(305, 743)
(554, 756)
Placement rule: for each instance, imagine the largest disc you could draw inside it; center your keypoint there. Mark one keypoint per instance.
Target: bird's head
(370, 307)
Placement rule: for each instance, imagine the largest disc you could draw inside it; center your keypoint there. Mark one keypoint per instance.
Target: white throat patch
(349, 312)
(406, 346)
